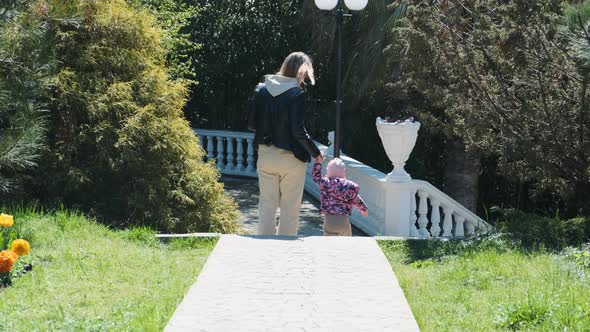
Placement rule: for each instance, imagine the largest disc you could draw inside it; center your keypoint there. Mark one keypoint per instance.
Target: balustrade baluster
(250, 168)
(201, 143)
(230, 155)
(435, 218)
(422, 214)
(220, 163)
(448, 222)
(459, 224)
(469, 227)
(413, 217)
(240, 151)
(210, 154)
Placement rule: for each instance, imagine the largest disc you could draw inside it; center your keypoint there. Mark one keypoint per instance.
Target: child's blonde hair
(336, 168)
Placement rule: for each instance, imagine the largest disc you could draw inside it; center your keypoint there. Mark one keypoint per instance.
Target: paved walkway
(295, 284)
(245, 192)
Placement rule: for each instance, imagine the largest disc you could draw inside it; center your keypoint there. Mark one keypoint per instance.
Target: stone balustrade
(411, 209)
(233, 151)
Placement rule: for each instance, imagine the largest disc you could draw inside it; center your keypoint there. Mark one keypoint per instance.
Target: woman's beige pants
(281, 178)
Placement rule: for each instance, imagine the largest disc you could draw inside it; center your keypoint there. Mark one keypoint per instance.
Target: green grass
(479, 287)
(86, 277)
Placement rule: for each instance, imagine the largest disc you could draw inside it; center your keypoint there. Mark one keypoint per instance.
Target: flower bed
(11, 264)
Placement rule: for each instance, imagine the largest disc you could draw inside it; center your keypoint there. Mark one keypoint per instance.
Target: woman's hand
(366, 213)
(319, 159)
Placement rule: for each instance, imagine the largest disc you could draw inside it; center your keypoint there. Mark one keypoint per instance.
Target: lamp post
(329, 5)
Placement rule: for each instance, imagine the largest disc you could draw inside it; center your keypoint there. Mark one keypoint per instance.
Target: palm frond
(363, 42)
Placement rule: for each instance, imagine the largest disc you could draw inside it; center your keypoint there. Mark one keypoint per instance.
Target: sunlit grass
(86, 277)
(490, 289)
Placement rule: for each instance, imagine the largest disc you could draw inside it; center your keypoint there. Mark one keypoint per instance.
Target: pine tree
(22, 123)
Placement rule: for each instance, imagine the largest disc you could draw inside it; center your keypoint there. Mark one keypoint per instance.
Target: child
(338, 197)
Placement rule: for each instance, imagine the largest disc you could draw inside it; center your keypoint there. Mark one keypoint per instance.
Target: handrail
(224, 133)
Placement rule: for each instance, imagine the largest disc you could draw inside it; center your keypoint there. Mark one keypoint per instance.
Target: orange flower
(7, 260)
(21, 247)
(6, 220)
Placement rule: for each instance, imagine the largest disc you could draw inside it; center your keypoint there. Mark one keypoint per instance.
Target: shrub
(534, 231)
(118, 144)
(580, 256)
(22, 127)
(422, 253)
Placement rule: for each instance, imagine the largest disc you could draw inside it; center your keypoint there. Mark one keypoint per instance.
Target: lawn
(86, 277)
(458, 287)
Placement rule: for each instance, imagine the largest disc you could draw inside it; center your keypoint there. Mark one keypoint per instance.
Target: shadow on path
(245, 192)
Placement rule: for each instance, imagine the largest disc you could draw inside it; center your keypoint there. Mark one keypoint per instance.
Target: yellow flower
(6, 220)
(21, 247)
(7, 260)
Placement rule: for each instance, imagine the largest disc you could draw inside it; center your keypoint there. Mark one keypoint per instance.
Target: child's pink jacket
(339, 195)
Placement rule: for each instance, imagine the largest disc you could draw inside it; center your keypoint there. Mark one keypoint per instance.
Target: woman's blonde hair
(298, 65)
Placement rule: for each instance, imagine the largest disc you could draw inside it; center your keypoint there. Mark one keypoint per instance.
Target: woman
(284, 147)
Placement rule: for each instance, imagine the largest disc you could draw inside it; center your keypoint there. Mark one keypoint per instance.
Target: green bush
(515, 231)
(119, 146)
(422, 253)
(580, 256)
(535, 232)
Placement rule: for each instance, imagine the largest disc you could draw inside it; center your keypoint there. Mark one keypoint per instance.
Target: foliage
(534, 232)
(527, 314)
(364, 36)
(514, 231)
(176, 18)
(241, 41)
(89, 278)
(509, 79)
(22, 125)
(544, 289)
(118, 144)
(580, 256)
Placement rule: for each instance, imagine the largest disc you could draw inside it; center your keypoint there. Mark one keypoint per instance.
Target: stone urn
(398, 139)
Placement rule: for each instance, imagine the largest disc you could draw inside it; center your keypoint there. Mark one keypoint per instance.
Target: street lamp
(329, 5)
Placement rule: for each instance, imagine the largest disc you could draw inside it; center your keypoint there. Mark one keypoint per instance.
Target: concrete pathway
(295, 284)
(245, 192)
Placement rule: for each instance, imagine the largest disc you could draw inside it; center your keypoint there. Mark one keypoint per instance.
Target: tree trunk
(462, 174)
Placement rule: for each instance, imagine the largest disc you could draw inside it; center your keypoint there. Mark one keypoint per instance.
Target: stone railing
(411, 209)
(233, 151)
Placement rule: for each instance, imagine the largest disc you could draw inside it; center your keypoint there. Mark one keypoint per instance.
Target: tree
(176, 18)
(241, 41)
(119, 146)
(365, 35)
(507, 79)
